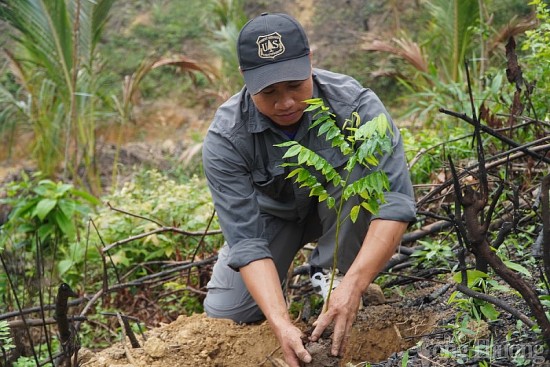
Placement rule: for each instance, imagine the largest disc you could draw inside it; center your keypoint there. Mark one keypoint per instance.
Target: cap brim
(282, 71)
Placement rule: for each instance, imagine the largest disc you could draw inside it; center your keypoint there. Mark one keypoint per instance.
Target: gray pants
(227, 295)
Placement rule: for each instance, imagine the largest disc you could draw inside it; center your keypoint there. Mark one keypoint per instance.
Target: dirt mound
(379, 331)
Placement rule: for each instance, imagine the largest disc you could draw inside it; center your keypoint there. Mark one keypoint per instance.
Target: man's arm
(379, 245)
(262, 282)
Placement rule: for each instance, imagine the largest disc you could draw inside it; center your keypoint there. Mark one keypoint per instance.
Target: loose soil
(379, 331)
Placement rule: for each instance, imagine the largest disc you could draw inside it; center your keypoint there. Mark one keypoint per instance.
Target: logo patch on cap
(270, 46)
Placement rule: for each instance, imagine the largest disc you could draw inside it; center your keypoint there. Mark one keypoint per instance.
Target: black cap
(273, 48)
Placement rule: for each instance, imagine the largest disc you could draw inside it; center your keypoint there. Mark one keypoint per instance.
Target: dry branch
(545, 209)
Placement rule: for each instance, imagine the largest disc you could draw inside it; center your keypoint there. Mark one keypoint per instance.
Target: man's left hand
(342, 310)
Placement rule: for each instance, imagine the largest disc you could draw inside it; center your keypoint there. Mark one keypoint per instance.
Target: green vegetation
(362, 143)
(57, 69)
(537, 49)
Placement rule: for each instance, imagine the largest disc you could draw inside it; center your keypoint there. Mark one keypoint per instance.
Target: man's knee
(215, 306)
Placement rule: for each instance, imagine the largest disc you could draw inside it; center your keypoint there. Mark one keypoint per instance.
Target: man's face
(283, 102)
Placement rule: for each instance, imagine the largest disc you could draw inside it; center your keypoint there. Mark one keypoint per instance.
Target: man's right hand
(263, 283)
(292, 346)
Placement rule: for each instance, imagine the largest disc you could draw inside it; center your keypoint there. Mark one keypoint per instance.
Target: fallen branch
(500, 137)
(67, 336)
(545, 210)
(472, 169)
(126, 350)
(155, 231)
(17, 324)
(497, 302)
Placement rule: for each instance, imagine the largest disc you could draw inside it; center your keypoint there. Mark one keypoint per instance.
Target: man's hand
(290, 339)
(342, 310)
(378, 246)
(263, 283)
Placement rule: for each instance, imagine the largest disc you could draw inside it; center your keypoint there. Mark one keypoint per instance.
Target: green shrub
(44, 209)
(187, 206)
(537, 68)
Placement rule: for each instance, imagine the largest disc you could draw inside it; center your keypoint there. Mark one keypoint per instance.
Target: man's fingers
(304, 356)
(320, 325)
(337, 338)
(339, 342)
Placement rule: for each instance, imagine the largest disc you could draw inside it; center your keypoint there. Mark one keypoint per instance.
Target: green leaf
(518, 267)
(294, 172)
(371, 206)
(65, 224)
(325, 119)
(293, 151)
(325, 128)
(62, 189)
(473, 277)
(64, 265)
(44, 207)
(354, 213)
(45, 231)
(303, 175)
(86, 196)
(405, 359)
(286, 144)
(304, 155)
(489, 311)
(67, 207)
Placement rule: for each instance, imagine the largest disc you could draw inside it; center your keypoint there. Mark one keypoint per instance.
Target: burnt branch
(495, 134)
(497, 302)
(155, 231)
(473, 203)
(545, 210)
(67, 334)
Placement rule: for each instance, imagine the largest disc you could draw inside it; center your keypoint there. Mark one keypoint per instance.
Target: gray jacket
(247, 183)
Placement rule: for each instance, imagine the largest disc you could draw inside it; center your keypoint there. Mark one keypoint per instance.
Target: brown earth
(379, 331)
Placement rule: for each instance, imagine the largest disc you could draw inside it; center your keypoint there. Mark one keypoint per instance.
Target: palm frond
(188, 65)
(403, 48)
(93, 17)
(453, 23)
(514, 27)
(45, 35)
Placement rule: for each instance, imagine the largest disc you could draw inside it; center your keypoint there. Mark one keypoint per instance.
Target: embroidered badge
(270, 46)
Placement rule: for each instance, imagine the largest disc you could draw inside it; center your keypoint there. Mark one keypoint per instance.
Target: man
(267, 218)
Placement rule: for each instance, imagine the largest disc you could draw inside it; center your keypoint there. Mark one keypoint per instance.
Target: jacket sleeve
(400, 202)
(235, 200)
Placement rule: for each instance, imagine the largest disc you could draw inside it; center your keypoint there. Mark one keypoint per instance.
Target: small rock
(117, 353)
(155, 347)
(373, 296)
(85, 355)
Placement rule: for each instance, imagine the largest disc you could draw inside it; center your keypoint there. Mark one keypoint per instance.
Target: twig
(473, 168)
(545, 210)
(128, 332)
(67, 337)
(493, 133)
(103, 261)
(14, 324)
(126, 350)
(40, 272)
(158, 230)
(201, 241)
(134, 215)
(425, 231)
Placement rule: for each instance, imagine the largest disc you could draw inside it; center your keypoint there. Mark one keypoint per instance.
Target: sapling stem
(362, 144)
